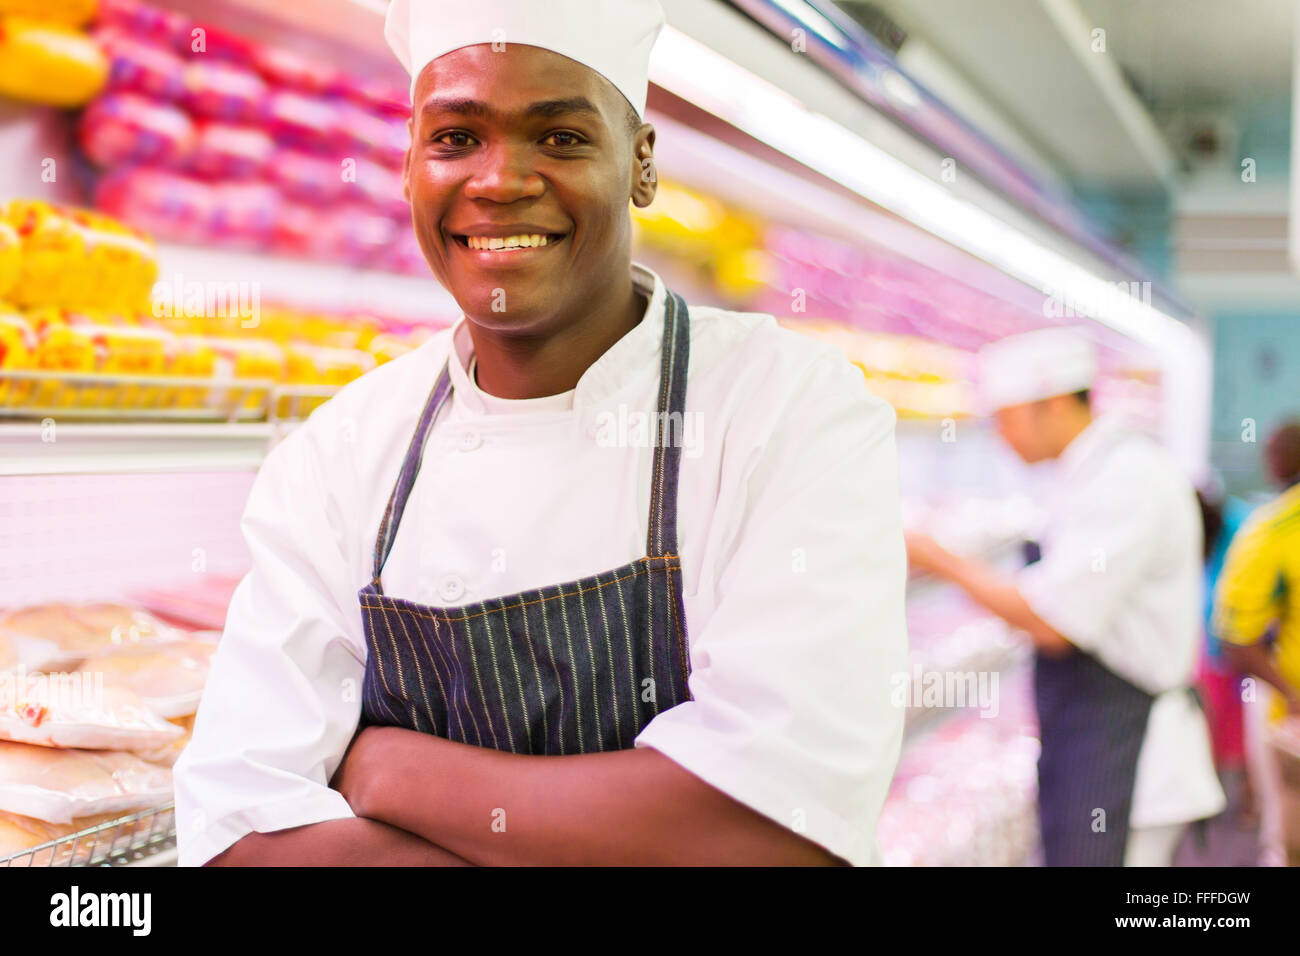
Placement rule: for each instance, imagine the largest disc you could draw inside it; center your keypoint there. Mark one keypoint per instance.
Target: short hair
(632, 120)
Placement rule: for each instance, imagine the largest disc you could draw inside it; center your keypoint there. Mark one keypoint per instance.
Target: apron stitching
(550, 650)
(383, 679)
(478, 679)
(496, 671)
(519, 680)
(557, 596)
(573, 672)
(609, 650)
(631, 656)
(454, 673)
(419, 671)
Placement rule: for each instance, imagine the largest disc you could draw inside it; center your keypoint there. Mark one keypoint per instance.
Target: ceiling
(1119, 119)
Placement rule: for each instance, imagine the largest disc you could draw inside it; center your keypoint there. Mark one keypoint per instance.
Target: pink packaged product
(145, 23)
(285, 69)
(302, 230)
(383, 139)
(306, 176)
(380, 187)
(244, 213)
(145, 68)
(218, 90)
(359, 235)
(304, 122)
(124, 128)
(165, 204)
(225, 151)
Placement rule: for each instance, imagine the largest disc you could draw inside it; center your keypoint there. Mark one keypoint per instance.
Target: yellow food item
(319, 365)
(49, 63)
(69, 13)
(17, 348)
(11, 251)
(73, 258)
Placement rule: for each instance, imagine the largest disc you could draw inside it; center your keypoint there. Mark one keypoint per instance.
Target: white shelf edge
(27, 448)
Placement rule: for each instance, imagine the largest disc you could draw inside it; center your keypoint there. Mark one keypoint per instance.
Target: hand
(924, 553)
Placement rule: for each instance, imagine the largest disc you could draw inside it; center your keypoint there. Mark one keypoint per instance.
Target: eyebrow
(481, 110)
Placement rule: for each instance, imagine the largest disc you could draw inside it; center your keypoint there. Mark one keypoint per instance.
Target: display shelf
(145, 838)
(264, 279)
(65, 449)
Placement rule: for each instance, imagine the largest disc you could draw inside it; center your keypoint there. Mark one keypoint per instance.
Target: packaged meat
(163, 203)
(286, 69)
(306, 176)
(21, 652)
(78, 710)
(304, 122)
(167, 755)
(82, 631)
(59, 786)
(215, 89)
(223, 151)
(143, 21)
(168, 678)
(123, 128)
(145, 68)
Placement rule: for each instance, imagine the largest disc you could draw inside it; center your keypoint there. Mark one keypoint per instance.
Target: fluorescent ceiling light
(701, 76)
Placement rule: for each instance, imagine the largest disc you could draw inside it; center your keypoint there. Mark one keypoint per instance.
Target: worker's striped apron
(569, 668)
(1092, 723)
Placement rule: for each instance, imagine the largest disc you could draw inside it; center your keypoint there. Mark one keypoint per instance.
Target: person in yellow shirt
(1258, 597)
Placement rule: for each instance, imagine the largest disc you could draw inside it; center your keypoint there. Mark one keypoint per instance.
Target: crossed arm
(421, 800)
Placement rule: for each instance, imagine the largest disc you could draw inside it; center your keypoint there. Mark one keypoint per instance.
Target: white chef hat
(612, 37)
(1035, 365)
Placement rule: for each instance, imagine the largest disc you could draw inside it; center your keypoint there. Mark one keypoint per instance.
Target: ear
(645, 177)
(406, 162)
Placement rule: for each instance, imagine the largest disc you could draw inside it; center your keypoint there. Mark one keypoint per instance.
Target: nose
(505, 174)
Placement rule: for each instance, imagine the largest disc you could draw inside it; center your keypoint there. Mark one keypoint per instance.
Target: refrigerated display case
(112, 497)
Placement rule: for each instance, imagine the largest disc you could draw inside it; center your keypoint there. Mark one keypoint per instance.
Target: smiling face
(519, 174)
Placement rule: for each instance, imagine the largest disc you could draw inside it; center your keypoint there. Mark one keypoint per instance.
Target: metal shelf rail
(138, 839)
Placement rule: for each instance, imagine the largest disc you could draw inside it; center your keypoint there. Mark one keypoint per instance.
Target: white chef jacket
(790, 535)
(1121, 578)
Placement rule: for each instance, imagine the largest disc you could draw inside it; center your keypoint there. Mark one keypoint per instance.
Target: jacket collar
(634, 355)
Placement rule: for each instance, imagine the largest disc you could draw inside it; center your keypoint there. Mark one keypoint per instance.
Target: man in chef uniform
(1112, 608)
(554, 641)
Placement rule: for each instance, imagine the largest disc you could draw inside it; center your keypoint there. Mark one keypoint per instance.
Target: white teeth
(496, 244)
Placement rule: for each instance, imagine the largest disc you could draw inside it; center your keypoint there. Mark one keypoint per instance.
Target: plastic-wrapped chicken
(76, 710)
(168, 677)
(82, 631)
(58, 786)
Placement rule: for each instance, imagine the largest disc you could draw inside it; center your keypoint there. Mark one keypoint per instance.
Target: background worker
(1113, 609)
(1258, 597)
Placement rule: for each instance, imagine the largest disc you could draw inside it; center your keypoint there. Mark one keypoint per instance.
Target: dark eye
(564, 139)
(457, 139)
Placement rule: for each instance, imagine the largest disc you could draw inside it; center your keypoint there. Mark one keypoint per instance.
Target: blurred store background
(184, 274)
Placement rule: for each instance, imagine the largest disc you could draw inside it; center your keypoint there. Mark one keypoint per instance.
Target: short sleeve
(1246, 596)
(283, 698)
(791, 711)
(1103, 543)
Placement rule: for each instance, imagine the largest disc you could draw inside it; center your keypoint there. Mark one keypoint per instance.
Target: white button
(700, 660)
(450, 588)
(470, 440)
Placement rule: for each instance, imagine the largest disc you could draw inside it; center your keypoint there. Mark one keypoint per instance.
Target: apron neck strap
(662, 534)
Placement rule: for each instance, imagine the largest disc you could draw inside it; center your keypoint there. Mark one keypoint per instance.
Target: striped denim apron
(565, 669)
(1092, 723)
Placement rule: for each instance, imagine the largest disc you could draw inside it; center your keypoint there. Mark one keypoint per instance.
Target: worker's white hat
(1035, 365)
(612, 37)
